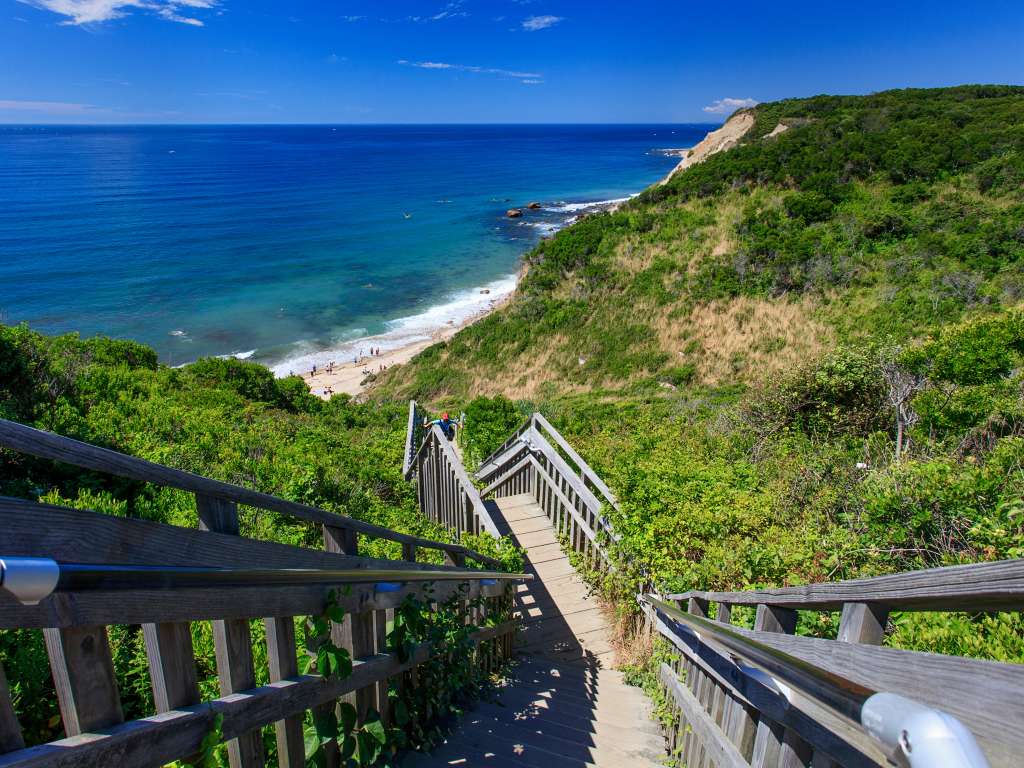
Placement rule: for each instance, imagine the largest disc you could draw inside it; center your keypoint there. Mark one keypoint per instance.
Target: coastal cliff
(720, 140)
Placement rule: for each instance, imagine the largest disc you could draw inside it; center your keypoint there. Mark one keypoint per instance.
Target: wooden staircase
(563, 704)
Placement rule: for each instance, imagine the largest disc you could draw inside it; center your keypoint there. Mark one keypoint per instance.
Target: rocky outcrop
(514, 213)
(534, 206)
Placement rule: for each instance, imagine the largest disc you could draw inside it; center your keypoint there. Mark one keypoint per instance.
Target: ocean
(289, 244)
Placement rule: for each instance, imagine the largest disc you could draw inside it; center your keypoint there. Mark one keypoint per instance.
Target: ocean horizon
(292, 244)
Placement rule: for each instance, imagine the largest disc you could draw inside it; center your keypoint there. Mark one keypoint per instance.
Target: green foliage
(224, 419)
(489, 421)
(841, 393)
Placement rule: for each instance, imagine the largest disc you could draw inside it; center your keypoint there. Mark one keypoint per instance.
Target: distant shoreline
(347, 376)
(346, 373)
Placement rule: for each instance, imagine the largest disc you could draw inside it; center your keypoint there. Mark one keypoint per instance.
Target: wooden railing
(541, 427)
(765, 697)
(728, 713)
(74, 622)
(571, 495)
(446, 493)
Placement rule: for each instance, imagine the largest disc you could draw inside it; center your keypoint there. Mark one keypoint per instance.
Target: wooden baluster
(284, 664)
(232, 641)
(795, 752)
(10, 730)
(84, 676)
(768, 742)
(356, 632)
(172, 665)
(738, 720)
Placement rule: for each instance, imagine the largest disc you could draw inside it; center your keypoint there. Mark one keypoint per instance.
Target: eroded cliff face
(726, 137)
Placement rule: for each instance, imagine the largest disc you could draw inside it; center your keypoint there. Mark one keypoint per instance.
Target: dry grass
(630, 643)
(523, 377)
(743, 338)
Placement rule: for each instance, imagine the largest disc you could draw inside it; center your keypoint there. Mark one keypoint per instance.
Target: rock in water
(534, 206)
(513, 213)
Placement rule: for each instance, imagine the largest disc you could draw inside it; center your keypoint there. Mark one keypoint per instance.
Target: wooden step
(562, 704)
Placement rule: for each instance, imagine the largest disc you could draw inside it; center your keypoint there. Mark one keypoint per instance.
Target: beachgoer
(446, 424)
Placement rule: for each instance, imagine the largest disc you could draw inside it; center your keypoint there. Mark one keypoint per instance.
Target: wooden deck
(563, 704)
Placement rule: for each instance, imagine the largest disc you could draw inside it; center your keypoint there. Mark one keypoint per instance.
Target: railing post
(232, 641)
(698, 606)
(863, 623)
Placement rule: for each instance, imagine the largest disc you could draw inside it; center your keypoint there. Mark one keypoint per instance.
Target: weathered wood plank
(83, 674)
(795, 752)
(142, 606)
(863, 623)
(767, 744)
(283, 665)
(172, 665)
(47, 445)
(721, 751)
(10, 729)
(163, 738)
(976, 587)
(232, 643)
(81, 536)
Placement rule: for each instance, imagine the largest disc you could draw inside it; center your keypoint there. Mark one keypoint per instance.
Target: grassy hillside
(737, 351)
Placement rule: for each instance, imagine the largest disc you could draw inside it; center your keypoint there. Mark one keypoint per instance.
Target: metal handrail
(911, 733)
(31, 579)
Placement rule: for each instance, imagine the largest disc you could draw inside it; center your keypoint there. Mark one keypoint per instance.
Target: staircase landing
(563, 704)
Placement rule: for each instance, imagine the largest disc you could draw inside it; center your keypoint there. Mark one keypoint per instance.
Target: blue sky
(187, 61)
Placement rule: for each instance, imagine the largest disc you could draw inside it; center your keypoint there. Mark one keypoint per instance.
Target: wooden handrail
(47, 445)
(440, 502)
(412, 427)
(584, 469)
(997, 586)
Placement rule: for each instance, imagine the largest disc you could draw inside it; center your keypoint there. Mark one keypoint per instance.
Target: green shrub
(489, 421)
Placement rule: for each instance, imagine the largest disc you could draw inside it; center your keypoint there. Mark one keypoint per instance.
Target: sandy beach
(348, 376)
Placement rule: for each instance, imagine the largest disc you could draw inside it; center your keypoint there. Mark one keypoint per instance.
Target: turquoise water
(287, 244)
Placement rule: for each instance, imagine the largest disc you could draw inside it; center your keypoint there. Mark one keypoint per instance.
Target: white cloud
(535, 23)
(468, 68)
(728, 106)
(532, 81)
(44, 107)
(99, 11)
(352, 19)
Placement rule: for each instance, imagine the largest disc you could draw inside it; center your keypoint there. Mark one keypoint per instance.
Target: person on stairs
(446, 424)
